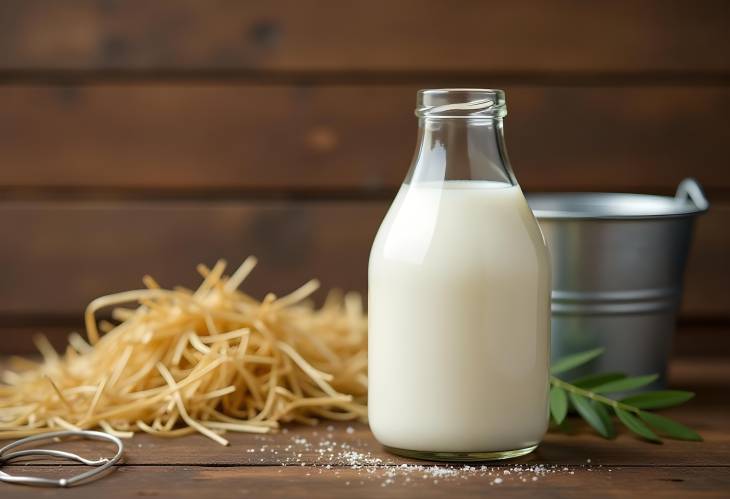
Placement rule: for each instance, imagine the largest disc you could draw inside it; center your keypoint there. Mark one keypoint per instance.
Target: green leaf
(575, 360)
(605, 417)
(596, 379)
(589, 413)
(658, 399)
(558, 404)
(634, 424)
(625, 384)
(669, 427)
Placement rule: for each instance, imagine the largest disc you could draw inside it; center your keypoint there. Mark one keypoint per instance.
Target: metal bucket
(618, 262)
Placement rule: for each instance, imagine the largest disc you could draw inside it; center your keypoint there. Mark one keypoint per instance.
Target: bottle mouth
(461, 103)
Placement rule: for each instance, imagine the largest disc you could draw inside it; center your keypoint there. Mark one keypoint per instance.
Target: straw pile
(211, 360)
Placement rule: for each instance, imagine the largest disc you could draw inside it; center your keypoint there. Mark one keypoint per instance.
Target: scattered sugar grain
(325, 452)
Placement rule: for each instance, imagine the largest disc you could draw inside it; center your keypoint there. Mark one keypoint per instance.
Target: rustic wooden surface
(579, 465)
(145, 137)
(377, 35)
(239, 139)
(60, 255)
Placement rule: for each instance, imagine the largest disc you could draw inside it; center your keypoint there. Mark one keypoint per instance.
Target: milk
(459, 317)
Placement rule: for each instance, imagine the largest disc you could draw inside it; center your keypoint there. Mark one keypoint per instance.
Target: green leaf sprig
(586, 396)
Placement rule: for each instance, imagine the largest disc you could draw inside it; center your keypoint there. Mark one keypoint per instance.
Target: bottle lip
(489, 103)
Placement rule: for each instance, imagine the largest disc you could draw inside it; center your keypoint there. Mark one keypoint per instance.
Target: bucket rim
(689, 201)
(610, 206)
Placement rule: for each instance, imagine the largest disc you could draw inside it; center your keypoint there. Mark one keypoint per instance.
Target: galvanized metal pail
(618, 262)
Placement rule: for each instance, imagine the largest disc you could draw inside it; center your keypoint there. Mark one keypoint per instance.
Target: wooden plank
(304, 482)
(378, 35)
(232, 138)
(701, 340)
(564, 466)
(315, 446)
(706, 284)
(61, 255)
(333, 443)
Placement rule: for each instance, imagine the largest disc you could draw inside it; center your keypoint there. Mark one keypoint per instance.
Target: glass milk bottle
(459, 295)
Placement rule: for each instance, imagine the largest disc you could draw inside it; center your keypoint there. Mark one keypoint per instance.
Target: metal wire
(100, 465)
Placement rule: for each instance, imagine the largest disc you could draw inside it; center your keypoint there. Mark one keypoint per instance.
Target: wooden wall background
(147, 136)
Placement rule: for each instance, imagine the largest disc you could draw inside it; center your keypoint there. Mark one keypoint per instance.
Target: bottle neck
(460, 149)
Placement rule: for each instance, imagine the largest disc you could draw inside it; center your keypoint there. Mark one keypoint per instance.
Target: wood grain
(706, 291)
(196, 467)
(296, 482)
(273, 450)
(707, 413)
(378, 35)
(60, 255)
(145, 137)
(231, 138)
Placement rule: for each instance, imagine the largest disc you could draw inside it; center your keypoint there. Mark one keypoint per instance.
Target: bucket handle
(689, 189)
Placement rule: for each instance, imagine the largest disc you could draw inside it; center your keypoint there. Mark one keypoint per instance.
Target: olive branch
(586, 396)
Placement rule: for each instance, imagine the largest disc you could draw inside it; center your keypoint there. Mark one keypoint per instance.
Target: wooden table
(319, 462)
